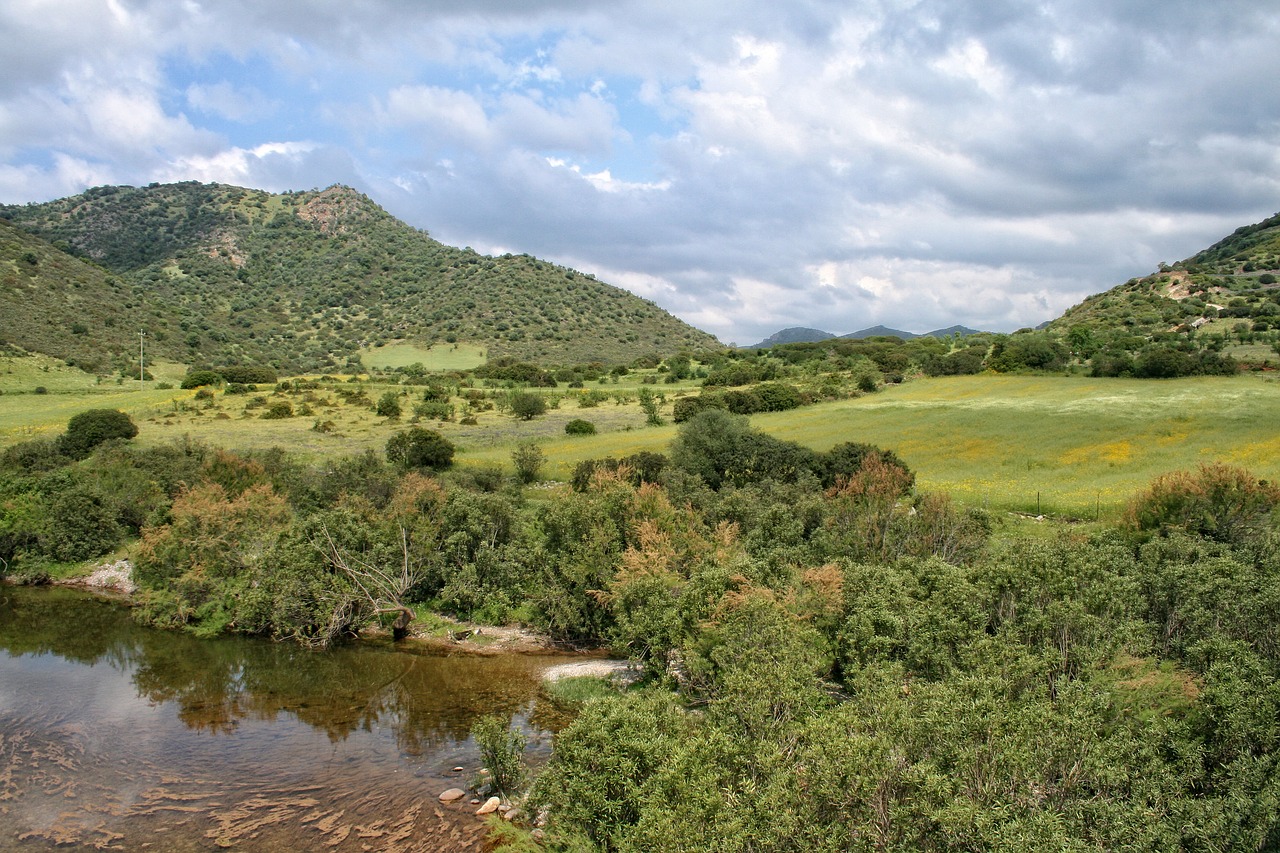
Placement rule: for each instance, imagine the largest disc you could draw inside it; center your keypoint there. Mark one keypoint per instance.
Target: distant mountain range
(801, 335)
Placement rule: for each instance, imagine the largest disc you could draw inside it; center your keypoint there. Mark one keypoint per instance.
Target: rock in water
(490, 805)
(452, 794)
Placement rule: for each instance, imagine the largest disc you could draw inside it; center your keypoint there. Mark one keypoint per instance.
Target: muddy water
(114, 736)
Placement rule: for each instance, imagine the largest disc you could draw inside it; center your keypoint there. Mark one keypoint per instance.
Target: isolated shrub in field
(279, 410)
(388, 405)
(434, 410)
(246, 375)
(420, 448)
(578, 426)
(526, 406)
(1218, 501)
(88, 429)
(528, 459)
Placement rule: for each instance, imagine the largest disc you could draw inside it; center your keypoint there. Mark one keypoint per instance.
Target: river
(117, 736)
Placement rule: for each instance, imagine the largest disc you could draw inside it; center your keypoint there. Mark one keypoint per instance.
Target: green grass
(442, 357)
(1082, 445)
(577, 691)
(1053, 445)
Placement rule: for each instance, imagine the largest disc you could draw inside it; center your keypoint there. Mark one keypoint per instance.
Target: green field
(1081, 444)
(1065, 445)
(439, 357)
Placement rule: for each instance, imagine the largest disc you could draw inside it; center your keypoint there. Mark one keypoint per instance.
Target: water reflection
(112, 734)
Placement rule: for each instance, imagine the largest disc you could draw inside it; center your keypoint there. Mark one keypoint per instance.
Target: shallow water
(115, 736)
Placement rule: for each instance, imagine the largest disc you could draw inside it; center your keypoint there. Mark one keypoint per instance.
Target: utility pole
(142, 359)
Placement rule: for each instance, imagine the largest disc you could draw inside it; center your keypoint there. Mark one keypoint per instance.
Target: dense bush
(526, 406)
(248, 375)
(578, 426)
(89, 429)
(420, 448)
(388, 405)
(197, 378)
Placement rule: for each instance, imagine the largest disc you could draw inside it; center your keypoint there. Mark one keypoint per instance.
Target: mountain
(881, 331)
(950, 331)
(299, 281)
(793, 335)
(801, 335)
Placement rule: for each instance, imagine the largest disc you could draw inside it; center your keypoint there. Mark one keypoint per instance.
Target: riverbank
(430, 632)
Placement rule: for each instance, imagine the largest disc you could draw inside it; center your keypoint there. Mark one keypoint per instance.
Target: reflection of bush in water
(217, 683)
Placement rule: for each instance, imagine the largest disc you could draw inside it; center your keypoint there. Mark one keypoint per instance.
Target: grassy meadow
(1082, 444)
(442, 357)
(1048, 444)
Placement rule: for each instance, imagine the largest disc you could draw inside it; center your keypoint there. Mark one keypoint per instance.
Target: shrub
(248, 375)
(502, 750)
(80, 525)
(1218, 501)
(196, 378)
(279, 410)
(578, 426)
(528, 459)
(434, 410)
(88, 429)
(388, 405)
(420, 448)
(527, 406)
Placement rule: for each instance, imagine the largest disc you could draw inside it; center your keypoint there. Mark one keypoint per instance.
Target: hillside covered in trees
(295, 281)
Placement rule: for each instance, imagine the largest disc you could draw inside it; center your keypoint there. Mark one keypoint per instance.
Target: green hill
(62, 306)
(1223, 300)
(298, 281)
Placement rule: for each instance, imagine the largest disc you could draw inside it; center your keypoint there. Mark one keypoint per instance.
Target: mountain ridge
(801, 334)
(306, 280)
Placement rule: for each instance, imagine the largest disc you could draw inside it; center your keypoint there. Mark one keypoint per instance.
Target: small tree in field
(649, 402)
(528, 459)
(388, 405)
(526, 406)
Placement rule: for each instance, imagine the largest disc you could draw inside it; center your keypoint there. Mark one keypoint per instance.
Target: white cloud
(748, 165)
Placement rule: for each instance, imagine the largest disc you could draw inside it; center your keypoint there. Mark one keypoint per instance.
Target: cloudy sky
(747, 164)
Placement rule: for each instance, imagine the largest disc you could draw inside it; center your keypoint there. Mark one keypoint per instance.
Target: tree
(528, 459)
(420, 448)
(649, 402)
(527, 406)
(388, 405)
(88, 429)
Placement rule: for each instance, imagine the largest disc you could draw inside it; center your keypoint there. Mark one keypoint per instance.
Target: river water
(116, 736)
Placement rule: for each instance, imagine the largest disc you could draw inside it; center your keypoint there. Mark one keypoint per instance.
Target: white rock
(490, 805)
(452, 794)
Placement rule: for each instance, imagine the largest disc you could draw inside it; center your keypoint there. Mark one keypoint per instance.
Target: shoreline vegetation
(828, 649)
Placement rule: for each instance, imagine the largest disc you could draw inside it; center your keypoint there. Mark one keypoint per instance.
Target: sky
(749, 165)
